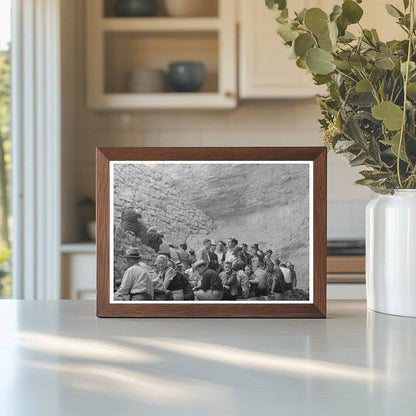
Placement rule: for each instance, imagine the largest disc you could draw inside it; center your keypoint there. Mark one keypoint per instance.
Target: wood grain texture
(346, 264)
(317, 309)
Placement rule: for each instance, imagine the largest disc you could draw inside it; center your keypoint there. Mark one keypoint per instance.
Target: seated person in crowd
(258, 281)
(202, 253)
(188, 293)
(229, 282)
(275, 279)
(245, 255)
(268, 255)
(193, 276)
(220, 252)
(242, 278)
(287, 278)
(293, 277)
(183, 256)
(192, 256)
(211, 286)
(213, 259)
(136, 283)
(255, 258)
(171, 281)
(232, 243)
(158, 290)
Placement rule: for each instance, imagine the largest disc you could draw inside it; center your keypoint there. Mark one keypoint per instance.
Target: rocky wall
(150, 190)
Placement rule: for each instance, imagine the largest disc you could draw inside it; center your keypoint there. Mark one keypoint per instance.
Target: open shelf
(116, 46)
(127, 51)
(160, 24)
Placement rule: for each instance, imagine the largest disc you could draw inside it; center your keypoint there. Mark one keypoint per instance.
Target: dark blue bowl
(186, 76)
(136, 8)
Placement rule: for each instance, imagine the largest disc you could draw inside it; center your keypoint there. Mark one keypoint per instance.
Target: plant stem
(406, 80)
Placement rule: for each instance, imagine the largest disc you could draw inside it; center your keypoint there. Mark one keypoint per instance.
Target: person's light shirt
(135, 280)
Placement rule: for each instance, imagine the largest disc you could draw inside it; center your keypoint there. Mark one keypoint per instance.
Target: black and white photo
(211, 231)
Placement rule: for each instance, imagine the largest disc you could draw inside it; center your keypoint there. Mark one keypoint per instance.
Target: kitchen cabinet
(265, 70)
(116, 46)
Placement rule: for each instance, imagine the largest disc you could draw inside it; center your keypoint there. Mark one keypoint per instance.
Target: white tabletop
(58, 359)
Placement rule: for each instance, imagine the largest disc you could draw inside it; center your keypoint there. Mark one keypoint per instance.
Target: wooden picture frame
(314, 308)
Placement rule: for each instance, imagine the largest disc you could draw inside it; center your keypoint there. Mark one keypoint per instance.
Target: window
(5, 145)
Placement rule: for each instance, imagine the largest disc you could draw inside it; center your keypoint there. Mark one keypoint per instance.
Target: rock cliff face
(149, 190)
(266, 204)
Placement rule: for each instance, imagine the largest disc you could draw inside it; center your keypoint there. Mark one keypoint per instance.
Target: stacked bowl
(147, 80)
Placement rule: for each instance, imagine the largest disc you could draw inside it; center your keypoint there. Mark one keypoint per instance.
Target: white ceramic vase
(391, 253)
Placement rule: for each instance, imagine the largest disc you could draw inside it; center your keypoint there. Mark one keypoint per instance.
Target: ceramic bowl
(147, 80)
(186, 76)
(136, 8)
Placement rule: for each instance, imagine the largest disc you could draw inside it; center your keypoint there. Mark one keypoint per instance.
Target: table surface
(57, 358)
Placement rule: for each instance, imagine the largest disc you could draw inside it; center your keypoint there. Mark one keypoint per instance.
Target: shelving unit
(118, 45)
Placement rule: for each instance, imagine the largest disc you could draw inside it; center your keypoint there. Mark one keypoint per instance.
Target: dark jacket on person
(213, 261)
(155, 240)
(176, 283)
(211, 281)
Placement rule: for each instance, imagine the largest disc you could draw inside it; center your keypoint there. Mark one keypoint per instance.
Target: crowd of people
(216, 271)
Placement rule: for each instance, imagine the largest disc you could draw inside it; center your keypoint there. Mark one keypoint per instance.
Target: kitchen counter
(57, 358)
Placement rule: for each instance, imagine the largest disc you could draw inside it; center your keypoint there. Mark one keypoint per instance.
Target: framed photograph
(211, 232)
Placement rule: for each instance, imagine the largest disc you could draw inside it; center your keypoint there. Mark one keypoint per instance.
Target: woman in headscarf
(171, 281)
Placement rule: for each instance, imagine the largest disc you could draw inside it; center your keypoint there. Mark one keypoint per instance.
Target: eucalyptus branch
(406, 80)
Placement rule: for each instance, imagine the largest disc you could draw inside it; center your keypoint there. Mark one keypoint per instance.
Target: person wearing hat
(211, 287)
(136, 283)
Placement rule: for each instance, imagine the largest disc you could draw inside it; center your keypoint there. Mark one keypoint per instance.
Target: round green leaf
(319, 61)
(411, 90)
(316, 20)
(363, 86)
(303, 43)
(286, 32)
(351, 11)
(391, 114)
(324, 42)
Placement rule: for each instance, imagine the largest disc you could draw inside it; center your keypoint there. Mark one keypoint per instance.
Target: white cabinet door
(265, 68)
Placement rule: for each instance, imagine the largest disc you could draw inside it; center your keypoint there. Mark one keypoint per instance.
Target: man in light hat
(136, 283)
